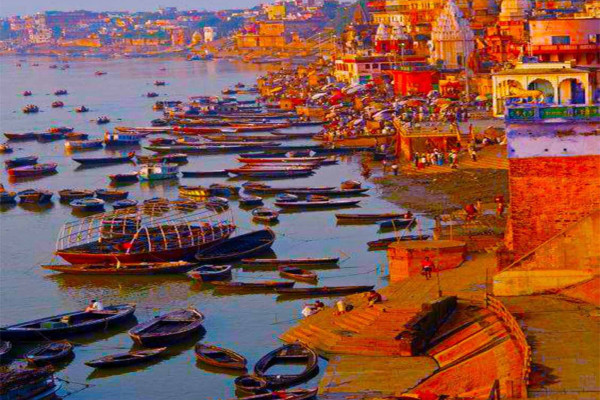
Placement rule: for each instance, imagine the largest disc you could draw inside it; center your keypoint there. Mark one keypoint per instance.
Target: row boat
(324, 290)
(261, 188)
(33, 170)
(296, 353)
(238, 247)
(219, 357)
(104, 160)
(252, 286)
(145, 268)
(126, 359)
(168, 328)
(367, 218)
(289, 261)
(63, 325)
(316, 204)
(21, 161)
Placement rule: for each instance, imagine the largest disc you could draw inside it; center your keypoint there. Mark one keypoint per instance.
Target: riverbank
(438, 190)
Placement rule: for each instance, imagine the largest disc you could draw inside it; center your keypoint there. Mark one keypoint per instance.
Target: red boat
(33, 170)
(195, 130)
(166, 231)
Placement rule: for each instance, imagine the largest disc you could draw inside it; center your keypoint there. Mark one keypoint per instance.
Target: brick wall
(405, 261)
(547, 194)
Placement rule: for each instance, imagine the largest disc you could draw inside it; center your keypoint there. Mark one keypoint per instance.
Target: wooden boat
(221, 189)
(195, 130)
(293, 394)
(217, 203)
(104, 160)
(316, 204)
(238, 247)
(125, 203)
(34, 196)
(102, 120)
(271, 173)
(111, 195)
(359, 141)
(264, 214)
(127, 177)
(155, 230)
(49, 353)
(61, 92)
(366, 218)
(332, 192)
(261, 188)
(165, 158)
(38, 383)
(88, 204)
(273, 262)
(252, 286)
(250, 384)
(20, 136)
(122, 139)
(297, 274)
(5, 348)
(68, 195)
(219, 357)
(30, 109)
(57, 104)
(27, 93)
(81, 109)
(324, 290)
(32, 170)
(250, 200)
(200, 174)
(21, 161)
(154, 172)
(168, 328)
(49, 136)
(63, 325)
(161, 141)
(281, 160)
(208, 273)
(384, 243)
(61, 129)
(126, 359)
(83, 144)
(396, 223)
(7, 197)
(145, 268)
(76, 136)
(194, 191)
(289, 353)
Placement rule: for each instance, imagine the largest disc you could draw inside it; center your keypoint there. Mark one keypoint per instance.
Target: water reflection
(37, 208)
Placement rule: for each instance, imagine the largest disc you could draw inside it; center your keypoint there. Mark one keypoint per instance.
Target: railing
(546, 112)
(513, 326)
(565, 47)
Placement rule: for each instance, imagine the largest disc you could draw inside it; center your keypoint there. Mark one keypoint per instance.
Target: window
(561, 40)
(594, 38)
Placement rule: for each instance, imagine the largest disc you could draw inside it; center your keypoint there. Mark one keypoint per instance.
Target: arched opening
(571, 91)
(545, 87)
(504, 89)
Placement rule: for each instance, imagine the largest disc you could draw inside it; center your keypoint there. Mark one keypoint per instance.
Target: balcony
(565, 48)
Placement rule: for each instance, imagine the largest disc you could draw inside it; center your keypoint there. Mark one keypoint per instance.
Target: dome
(514, 9)
(451, 25)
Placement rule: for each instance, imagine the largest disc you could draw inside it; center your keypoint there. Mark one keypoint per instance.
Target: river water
(249, 324)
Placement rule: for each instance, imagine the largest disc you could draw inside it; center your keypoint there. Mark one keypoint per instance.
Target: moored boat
(49, 353)
(111, 195)
(144, 268)
(293, 394)
(63, 325)
(83, 144)
(250, 200)
(126, 177)
(168, 328)
(153, 172)
(238, 247)
(318, 203)
(396, 223)
(252, 286)
(298, 274)
(384, 243)
(57, 104)
(104, 160)
(250, 384)
(68, 195)
(20, 136)
(76, 136)
(125, 203)
(122, 139)
(200, 174)
(261, 188)
(49, 136)
(208, 273)
(34, 196)
(102, 120)
(290, 261)
(219, 357)
(367, 218)
(21, 161)
(38, 383)
(290, 353)
(323, 291)
(88, 204)
(264, 214)
(126, 359)
(81, 109)
(165, 158)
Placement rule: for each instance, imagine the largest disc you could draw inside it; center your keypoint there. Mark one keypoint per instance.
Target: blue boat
(155, 172)
(117, 205)
(21, 161)
(88, 204)
(122, 139)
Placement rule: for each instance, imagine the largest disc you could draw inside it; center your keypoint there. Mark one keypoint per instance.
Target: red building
(408, 81)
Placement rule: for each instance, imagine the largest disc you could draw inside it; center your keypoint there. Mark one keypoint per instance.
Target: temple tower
(451, 37)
